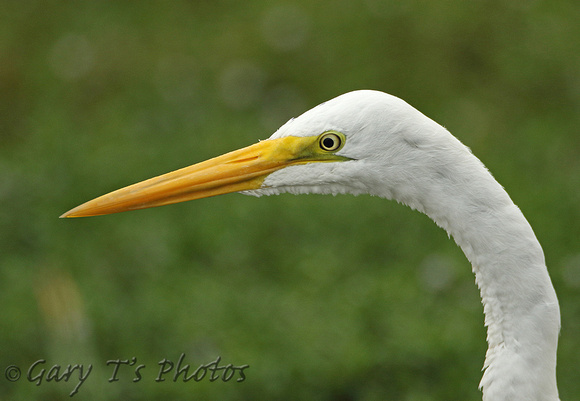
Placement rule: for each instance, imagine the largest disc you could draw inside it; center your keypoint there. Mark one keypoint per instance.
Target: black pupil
(328, 143)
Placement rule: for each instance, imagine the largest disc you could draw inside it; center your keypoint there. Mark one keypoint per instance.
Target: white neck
(520, 305)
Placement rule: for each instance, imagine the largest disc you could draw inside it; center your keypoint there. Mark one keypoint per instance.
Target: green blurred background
(326, 298)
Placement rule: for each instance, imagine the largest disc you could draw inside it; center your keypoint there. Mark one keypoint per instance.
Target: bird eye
(330, 141)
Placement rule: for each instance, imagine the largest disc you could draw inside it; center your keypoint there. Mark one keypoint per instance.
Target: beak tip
(71, 214)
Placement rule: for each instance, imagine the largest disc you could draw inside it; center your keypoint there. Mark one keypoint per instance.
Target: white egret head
(360, 142)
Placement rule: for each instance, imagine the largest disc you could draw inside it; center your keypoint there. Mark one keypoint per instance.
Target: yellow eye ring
(331, 141)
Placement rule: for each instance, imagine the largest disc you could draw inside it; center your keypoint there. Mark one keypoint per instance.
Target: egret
(369, 142)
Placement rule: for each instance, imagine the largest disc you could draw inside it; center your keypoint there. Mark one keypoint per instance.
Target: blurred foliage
(326, 298)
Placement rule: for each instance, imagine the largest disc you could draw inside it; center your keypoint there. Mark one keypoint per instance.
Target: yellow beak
(240, 170)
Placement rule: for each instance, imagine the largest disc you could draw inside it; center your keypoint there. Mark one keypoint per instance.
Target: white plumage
(391, 150)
